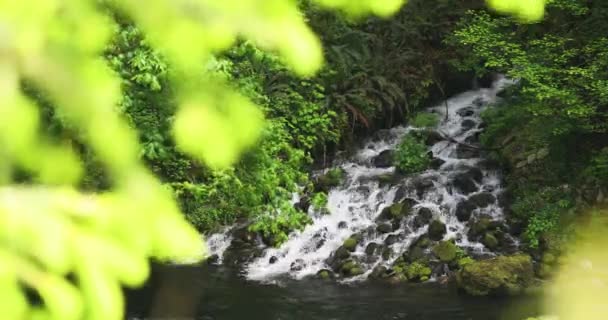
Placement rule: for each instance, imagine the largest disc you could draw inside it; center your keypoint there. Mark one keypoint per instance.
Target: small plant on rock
(411, 156)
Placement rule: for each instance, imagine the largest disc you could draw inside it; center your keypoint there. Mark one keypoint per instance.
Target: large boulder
(482, 199)
(497, 276)
(350, 268)
(467, 152)
(464, 183)
(384, 228)
(446, 251)
(384, 159)
(464, 210)
(437, 230)
(424, 217)
(350, 244)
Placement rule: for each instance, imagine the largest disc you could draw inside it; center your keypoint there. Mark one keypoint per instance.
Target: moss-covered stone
(329, 180)
(418, 272)
(437, 230)
(324, 274)
(445, 251)
(490, 241)
(497, 276)
(350, 244)
(351, 268)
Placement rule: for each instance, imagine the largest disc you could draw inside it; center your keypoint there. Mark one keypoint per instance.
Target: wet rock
(242, 236)
(479, 101)
(422, 185)
(378, 272)
(490, 241)
(482, 200)
(329, 180)
(213, 259)
(350, 244)
(384, 159)
(467, 152)
(423, 218)
(464, 183)
(342, 225)
(437, 230)
(324, 274)
(432, 137)
(387, 253)
(388, 179)
(373, 248)
(436, 163)
(297, 265)
(468, 124)
(392, 239)
(384, 228)
(445, 251)
(464, 210)
(497, 276)
(351, 268)
(466, 112)
(397, 210)
(303, 204)
(273, 259)
(473, 139)
(479, 226)
(337, 257)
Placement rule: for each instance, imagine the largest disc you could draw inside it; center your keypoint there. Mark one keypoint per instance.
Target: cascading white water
(355, 206)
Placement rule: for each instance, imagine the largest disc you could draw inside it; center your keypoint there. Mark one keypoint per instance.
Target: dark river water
(204, 292)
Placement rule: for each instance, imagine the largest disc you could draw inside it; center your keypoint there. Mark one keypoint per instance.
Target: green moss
(490, 241)
(437, 230)
(331, 179)
(350, 244)
(418, 271)
(464, 261)
(425, 120)
(445, 251)
(496, 276)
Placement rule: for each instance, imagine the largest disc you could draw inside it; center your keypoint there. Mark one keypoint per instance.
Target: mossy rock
(417, 271)
(436, 230)
(324, 274)
(396, 211)
(350, 244)
(329, 180)
(445, 250)
(497, 276)
(489, 240)
(351, 268)
(479, 226)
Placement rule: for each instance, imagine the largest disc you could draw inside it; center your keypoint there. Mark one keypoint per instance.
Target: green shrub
(275, 227)
(425, 120)
(319, 202)
(541, 211)
(597, 169)
(411, 155)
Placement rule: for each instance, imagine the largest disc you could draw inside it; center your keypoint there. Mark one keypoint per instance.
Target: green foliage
(597, 168)
(425, 120)
(446, 251)
(542, 211)
(75, 250)
(418, 271)
(275, 227)
(411, 155)
(319, 201)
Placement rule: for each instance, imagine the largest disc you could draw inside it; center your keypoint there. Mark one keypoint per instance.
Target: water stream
(459, 174)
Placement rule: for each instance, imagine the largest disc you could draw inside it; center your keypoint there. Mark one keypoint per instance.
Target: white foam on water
(355, 205)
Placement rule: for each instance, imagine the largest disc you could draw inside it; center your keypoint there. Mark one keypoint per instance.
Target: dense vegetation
(192, 97)
(551, 128)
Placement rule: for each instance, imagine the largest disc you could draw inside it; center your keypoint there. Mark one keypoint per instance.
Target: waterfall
(355, 206)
